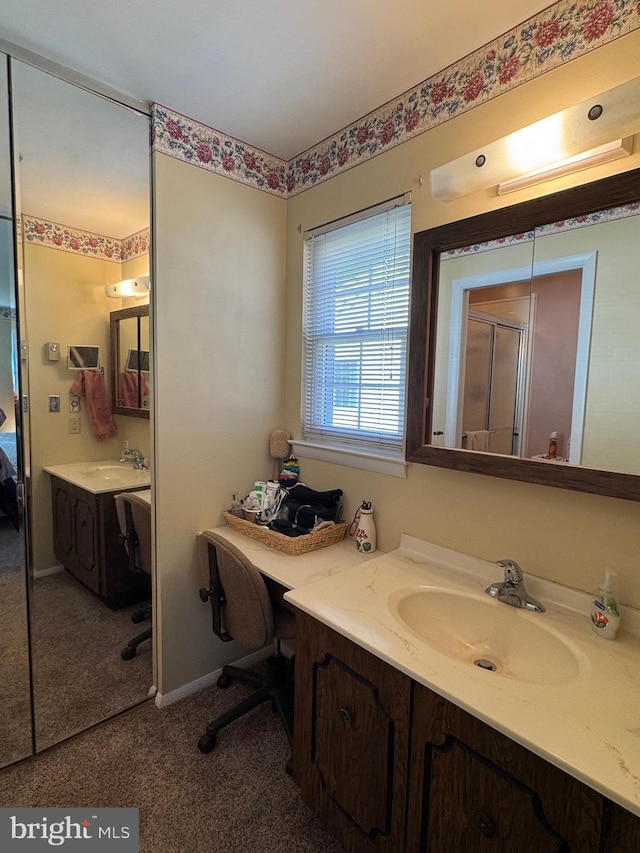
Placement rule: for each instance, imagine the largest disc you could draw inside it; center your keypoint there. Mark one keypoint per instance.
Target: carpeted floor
(15, 696)
(237, 799)
(79, 677)
(78, 674)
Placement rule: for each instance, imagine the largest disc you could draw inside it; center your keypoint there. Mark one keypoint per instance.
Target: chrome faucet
(134, 456)
(511, 591)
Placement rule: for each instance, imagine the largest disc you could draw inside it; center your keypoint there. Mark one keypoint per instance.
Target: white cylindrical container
(366, 529)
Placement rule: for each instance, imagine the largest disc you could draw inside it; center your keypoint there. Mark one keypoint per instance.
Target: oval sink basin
(490, 635)
(114, 472)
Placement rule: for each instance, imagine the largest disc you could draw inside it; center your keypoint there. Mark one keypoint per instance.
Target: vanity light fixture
(137, 287)
(593, 157)
(579, 132)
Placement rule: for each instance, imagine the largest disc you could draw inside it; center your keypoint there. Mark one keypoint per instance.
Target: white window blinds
(356, 305)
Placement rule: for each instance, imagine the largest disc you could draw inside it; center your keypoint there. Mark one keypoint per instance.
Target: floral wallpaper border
(600, 216)
(136, 245)
(558, 34)
(53, 235)
(195, 143)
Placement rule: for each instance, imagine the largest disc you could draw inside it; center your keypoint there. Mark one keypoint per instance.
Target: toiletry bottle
(366, 529)
(553, 445)
(605, 613)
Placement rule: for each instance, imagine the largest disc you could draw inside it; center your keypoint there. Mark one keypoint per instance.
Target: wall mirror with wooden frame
(524, 323)
(130, 361)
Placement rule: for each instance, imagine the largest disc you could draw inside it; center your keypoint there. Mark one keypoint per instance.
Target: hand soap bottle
(605, 613)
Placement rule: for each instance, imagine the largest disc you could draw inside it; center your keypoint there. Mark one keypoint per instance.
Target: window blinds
(356, 305)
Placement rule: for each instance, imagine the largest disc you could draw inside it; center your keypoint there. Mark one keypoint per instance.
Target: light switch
(54, 402)
(74, 403)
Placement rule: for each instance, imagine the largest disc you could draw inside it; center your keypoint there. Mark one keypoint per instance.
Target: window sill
(365, 460)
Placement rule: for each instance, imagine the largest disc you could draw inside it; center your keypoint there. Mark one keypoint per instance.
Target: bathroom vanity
(402, 744)
(86, 530)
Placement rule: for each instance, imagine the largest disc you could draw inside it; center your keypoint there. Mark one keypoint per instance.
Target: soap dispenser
(605, 613)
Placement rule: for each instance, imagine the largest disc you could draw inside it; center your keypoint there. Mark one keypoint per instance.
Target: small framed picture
(83, 357)
(138, 360)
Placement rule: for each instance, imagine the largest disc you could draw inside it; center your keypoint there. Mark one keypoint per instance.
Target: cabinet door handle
(485, 825)
(345, 716)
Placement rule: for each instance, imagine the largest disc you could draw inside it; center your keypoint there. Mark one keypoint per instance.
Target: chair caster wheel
(224, 681)
(206, 743)
(127, 653)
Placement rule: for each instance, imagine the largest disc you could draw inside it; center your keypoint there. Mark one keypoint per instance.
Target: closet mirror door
(15, 694)
(82, 179)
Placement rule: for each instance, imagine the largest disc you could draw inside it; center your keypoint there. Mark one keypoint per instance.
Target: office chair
(242, 610)
(134, 518)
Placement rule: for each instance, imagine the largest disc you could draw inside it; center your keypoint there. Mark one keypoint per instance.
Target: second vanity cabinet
(85, 537)
(389, 765)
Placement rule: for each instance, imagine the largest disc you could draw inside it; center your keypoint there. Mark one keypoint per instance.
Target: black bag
(304, 508)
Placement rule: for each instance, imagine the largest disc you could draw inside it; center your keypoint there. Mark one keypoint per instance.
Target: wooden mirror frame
(115, 318)
(428, 245)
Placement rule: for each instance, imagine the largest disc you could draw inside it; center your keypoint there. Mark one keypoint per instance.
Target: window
(356, 305)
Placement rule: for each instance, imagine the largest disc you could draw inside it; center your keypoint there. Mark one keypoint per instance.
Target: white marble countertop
(302, 569)
(108, 475)
(589, 726)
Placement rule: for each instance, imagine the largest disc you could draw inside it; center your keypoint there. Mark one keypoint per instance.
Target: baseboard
(43, 573)
(164, 699)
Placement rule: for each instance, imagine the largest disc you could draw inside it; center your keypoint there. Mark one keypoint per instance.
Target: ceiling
(281, 75)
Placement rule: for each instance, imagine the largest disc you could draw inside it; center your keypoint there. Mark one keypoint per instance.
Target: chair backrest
(247, 612)
(133, 510)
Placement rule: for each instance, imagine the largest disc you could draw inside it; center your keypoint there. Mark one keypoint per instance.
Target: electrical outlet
(74, 424)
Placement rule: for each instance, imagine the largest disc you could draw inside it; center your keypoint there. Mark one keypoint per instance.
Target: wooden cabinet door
(475, 806)
(61, 499)
(622, 833)
(85, 528)
(119, 585)
(351, 738)
(475, 790)
(86, 542)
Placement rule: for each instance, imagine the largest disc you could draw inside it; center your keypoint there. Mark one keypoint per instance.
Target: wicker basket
(289, 545)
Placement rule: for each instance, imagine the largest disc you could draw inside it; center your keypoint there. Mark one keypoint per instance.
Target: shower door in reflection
(493, 382)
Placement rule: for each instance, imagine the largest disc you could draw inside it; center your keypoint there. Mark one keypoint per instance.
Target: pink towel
(90, 385)
(129, 390)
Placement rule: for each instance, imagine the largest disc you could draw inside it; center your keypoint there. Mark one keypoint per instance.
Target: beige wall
(562, 535)
(228, 371)
(611, 436)
(65, 302)
(218, 309)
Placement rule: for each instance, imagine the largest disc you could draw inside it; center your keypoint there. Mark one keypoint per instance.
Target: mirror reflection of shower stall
(523, 373)
(493, 386)
(80, 178)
